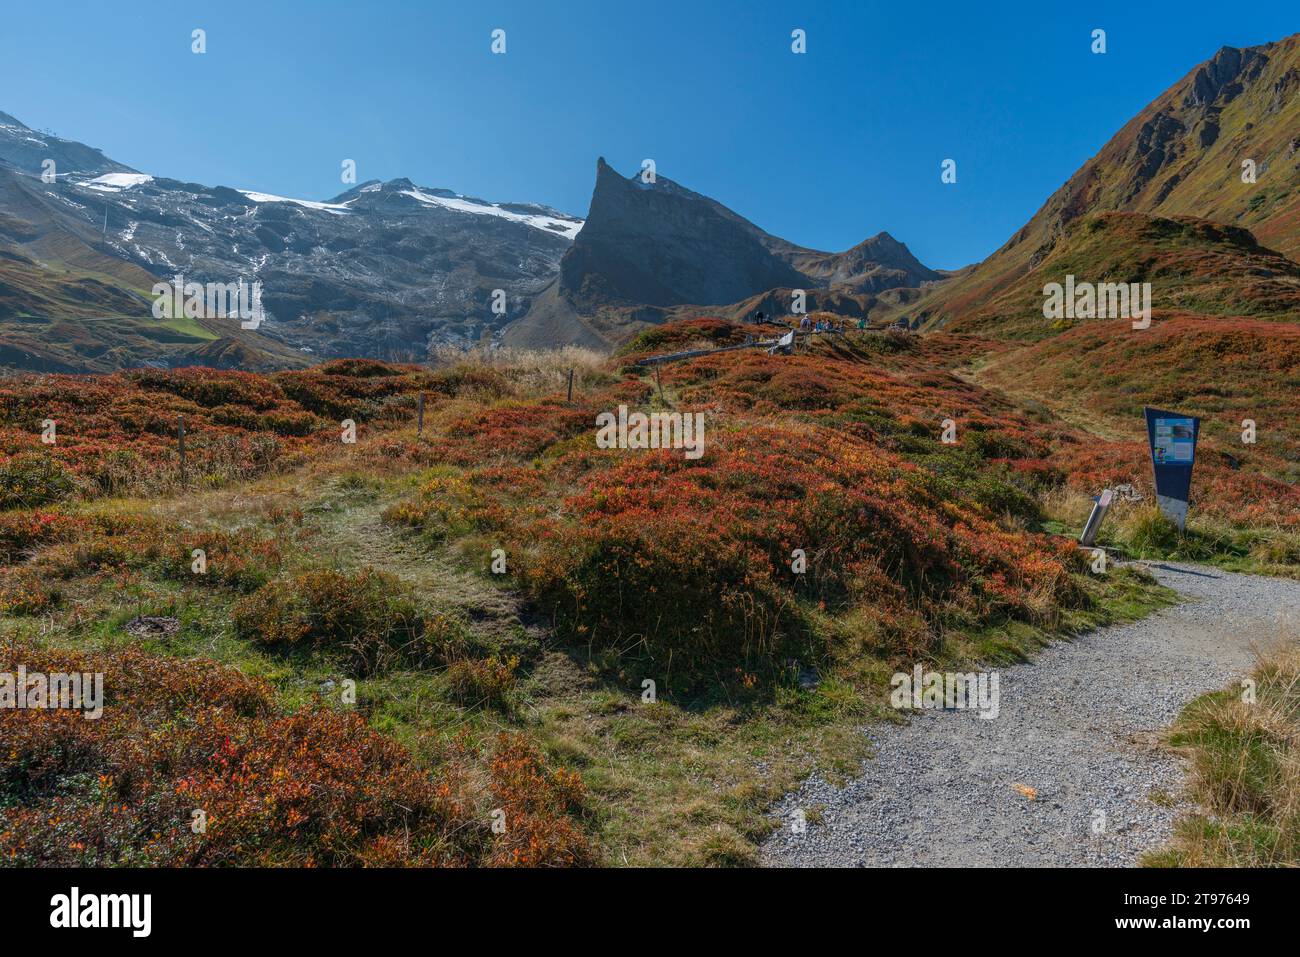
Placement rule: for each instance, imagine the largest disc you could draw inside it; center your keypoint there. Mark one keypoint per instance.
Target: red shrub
(315, 788)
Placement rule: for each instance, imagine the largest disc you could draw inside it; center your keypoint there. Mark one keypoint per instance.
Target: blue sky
(824, 148)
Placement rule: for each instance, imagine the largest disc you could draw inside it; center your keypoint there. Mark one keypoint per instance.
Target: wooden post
(180, 437)
(570, 387)
(419, 425)
(658, 384)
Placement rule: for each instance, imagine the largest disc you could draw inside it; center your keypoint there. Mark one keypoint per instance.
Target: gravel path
(1080, 725)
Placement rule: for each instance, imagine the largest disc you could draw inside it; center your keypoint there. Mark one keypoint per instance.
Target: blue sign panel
(1173, 452)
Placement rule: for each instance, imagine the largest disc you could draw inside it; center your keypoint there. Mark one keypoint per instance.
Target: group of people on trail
(806, 324)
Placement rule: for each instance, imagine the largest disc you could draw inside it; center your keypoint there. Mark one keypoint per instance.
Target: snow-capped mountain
(384, 269)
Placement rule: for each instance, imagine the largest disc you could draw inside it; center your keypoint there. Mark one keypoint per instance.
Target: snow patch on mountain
(116, 182)
(337, 208)
(563, 227)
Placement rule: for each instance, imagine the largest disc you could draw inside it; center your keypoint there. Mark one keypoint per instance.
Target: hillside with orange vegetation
(1181, 156)
(1222, 344)
(1193, 266)
(498, 574)
(117, 433)
(1224, 371)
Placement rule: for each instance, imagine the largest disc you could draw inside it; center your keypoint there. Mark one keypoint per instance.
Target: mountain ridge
(1181, 155)
(651, 246)
(384, 269)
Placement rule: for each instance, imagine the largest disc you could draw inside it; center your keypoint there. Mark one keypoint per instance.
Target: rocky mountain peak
(655, 243)
(1224, 75)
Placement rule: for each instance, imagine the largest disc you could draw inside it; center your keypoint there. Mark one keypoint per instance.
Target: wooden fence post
(419, 426)
(570, 387)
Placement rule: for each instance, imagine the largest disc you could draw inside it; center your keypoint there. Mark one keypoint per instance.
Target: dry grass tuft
(1245, 750)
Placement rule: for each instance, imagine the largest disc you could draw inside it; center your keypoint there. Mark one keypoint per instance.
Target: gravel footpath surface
(1080, 725)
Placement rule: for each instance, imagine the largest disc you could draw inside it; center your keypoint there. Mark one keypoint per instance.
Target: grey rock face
(652, 244)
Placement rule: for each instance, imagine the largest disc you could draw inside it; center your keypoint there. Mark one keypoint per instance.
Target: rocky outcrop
(651, 246)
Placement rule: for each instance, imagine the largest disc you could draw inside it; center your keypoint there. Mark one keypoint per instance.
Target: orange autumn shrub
(690, 561)
(520, 430)
(369, 390)
(117, 434)
(1242, 498)
(314, 788)
(539, 807)
(25, 592)
(24, 531)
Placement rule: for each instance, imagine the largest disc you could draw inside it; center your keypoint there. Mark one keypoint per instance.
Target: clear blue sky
(824, 149)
